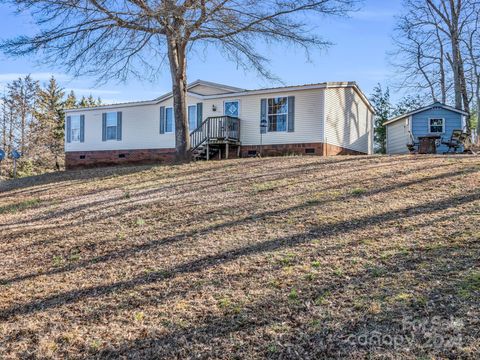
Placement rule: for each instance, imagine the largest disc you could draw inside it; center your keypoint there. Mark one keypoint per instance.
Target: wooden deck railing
(218, 129)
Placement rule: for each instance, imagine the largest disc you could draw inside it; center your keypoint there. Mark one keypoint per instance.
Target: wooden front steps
(214, 137)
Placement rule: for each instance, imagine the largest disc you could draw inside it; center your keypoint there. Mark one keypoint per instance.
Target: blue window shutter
(291, 113)
(162, 119)
(263, 115)
(69, 129)
(119, 125)
(82, 128)
(199, 114)
(104, 127)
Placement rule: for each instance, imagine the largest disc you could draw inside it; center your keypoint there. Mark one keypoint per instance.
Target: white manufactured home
(318, 119)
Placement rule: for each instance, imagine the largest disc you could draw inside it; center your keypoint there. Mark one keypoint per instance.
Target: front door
(231, 108)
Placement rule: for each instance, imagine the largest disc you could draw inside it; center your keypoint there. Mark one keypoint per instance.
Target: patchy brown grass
(298, 257)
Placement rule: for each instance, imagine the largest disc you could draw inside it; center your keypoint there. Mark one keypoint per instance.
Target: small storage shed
(434, 120)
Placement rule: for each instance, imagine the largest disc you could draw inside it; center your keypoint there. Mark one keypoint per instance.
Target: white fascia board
(112, 106)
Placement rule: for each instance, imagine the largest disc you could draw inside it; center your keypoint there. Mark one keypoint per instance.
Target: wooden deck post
(208, 151)
(226, 151)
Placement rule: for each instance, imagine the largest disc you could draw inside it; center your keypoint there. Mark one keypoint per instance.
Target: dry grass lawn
(294, 257)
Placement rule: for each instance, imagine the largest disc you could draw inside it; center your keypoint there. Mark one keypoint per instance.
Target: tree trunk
(23, 125)
(178, 70)
(478, 108)
(57, 165)
(4, 128)
(464, 92)
(443, 86)
(10, 132)
(456, 55)
(456, 72)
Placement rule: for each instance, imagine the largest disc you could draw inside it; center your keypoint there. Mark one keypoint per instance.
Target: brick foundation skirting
(88, 159)
(320, 149)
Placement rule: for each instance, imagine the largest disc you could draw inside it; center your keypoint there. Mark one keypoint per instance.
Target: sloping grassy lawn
(295, 257)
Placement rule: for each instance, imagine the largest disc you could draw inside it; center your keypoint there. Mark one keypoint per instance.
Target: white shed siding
(348, 120)
(309, 106)
(397, 137)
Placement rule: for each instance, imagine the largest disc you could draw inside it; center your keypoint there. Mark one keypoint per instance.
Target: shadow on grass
(194, 188)
(255, 217)
(229, 256)
(336, 336)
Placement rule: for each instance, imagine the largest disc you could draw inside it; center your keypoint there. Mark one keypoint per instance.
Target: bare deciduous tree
(431, 38)
(472, 44)
(417, 58)
(22, 93)
(119, 38)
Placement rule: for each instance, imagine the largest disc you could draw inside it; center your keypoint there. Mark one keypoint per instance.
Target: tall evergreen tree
(407, 104)
(48, 130)
(83, 102)
(91, 101)
(71, 101)
(383, 109)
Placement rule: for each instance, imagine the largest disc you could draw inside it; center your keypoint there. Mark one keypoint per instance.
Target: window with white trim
(169, 121)
(192, 117)
(111, 126)
(277, 114)
(436, 126)
(75, 128)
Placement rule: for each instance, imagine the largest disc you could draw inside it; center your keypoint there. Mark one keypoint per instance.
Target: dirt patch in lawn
(295, 257)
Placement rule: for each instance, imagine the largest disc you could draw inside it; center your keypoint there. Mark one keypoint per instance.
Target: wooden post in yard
(226, 151)
(208, 139)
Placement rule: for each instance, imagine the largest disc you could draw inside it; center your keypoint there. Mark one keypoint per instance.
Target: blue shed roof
(434, 105)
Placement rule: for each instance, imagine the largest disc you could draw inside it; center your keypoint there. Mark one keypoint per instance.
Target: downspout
(386, 139)
(324, 125)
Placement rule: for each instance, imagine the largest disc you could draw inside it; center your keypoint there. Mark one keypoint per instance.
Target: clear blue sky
(359, 54)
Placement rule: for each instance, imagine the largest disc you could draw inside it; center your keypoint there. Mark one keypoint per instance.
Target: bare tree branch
(117, 39)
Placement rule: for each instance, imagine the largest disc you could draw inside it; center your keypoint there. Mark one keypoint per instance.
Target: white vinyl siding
(398, 137)
(309, 112)
(140, 123)
(140, 128)
(208, 90)
(139, 131)
(348, 120)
